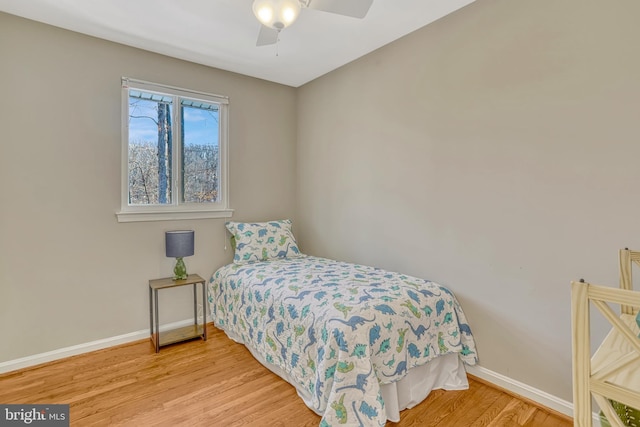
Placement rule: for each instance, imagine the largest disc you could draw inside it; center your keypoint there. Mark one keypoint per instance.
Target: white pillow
(263, 241)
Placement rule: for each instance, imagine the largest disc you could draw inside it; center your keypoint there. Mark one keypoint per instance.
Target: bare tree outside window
(200, 124)
(152, 142)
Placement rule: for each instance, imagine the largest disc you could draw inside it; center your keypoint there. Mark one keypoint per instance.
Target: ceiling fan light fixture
(276, 14)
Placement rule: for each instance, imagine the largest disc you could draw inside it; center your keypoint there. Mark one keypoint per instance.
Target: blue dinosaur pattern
(338, 330)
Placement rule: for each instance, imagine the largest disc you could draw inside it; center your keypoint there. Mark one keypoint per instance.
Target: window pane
(201, 152)
(150, 148)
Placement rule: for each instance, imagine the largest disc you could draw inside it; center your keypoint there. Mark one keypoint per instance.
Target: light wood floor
(219, 383)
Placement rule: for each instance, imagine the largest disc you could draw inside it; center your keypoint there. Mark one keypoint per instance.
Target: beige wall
(69, 272)
(495, 151)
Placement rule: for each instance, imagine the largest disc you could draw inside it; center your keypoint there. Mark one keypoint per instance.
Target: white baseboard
(543, 398)
(49, 356)
(522, 389)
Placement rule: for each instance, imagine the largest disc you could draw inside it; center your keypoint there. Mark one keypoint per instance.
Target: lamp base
(180, 270)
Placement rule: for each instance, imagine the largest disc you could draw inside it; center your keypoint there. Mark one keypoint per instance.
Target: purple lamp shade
(179, 243)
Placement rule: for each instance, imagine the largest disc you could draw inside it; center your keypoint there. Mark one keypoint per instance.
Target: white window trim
(175, 210)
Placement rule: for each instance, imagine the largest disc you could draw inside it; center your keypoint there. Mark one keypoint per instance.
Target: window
(174, 153)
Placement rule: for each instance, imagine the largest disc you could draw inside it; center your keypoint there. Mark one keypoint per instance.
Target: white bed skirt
(444, 372)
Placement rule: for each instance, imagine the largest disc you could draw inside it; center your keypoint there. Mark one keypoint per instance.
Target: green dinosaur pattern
(341, 410)
(401, 334)
(414, 310)
(443, 348)
(344, 367)
(338, 330)
(343, 309)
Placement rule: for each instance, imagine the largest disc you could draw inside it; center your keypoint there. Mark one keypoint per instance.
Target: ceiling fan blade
(267, 36)
(354, 8)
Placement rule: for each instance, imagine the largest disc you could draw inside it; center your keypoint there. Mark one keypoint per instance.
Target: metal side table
(180, 334)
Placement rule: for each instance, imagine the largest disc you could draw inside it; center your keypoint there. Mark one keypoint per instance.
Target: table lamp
(179, 244)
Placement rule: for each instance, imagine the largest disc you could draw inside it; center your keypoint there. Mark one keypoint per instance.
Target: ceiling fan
(275, 15)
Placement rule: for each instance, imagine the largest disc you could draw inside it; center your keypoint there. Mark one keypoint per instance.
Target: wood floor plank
(469, 410)
(219, 383)
(491, 410)
(515, 413)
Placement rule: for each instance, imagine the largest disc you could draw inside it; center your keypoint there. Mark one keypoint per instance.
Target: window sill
(140, 216)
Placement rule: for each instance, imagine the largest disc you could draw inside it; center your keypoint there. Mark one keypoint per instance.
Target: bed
(358, 343)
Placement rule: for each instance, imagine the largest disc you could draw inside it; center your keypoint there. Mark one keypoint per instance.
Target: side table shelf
(160, 339)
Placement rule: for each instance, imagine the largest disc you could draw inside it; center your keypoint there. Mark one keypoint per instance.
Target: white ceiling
(223, 33)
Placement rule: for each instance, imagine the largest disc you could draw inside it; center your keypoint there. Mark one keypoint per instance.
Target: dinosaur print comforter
(339, 330)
